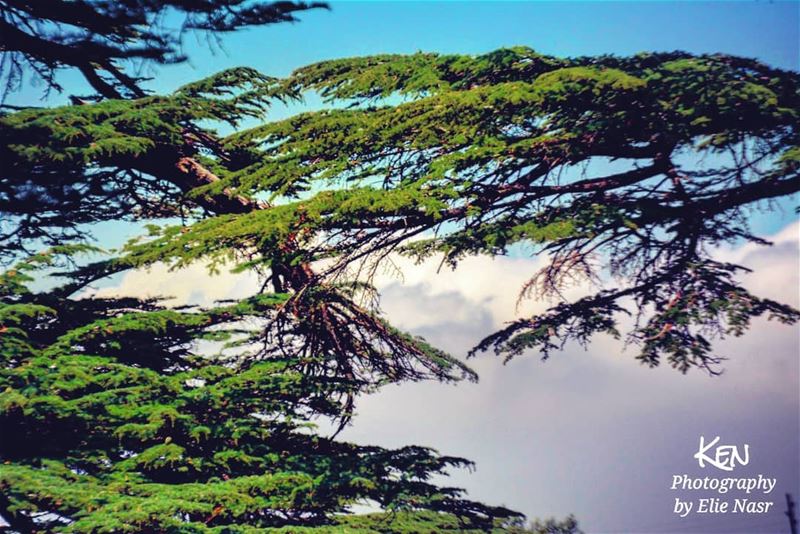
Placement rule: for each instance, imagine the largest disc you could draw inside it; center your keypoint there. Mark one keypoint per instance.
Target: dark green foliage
(98, 37)
(593, 161)
(117, 418)
(127, 416)
(553, 526)
(108, 160)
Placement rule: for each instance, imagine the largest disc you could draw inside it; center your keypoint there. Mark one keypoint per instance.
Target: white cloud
(190, 285)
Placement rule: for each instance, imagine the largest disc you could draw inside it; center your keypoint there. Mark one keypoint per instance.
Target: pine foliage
(120, 415)
(123, 415)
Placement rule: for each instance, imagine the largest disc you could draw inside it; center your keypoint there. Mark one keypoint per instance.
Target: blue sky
(589, 432)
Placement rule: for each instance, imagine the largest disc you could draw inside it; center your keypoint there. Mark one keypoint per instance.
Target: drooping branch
(96, 37)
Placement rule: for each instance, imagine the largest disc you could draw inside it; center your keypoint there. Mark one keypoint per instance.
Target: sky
(589, 432)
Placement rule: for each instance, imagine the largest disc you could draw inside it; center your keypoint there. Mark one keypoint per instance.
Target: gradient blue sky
(590, 433)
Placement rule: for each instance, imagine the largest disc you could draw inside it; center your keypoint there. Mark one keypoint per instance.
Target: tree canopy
(122, 416)
(625, 170)
(126, 415)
